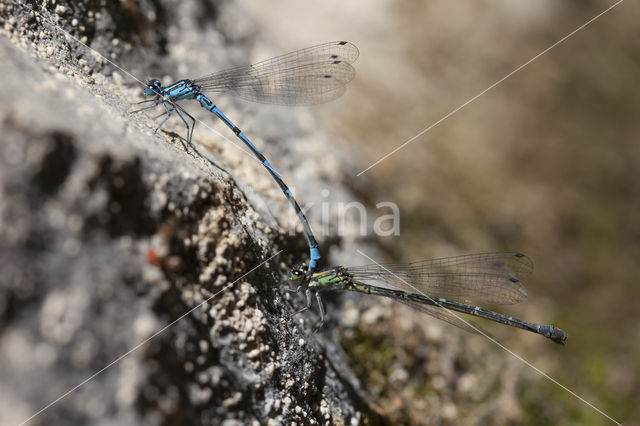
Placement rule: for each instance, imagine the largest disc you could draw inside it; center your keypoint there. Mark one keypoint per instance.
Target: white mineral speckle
(449, 411)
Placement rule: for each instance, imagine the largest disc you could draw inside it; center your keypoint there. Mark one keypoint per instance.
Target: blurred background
(545, 163)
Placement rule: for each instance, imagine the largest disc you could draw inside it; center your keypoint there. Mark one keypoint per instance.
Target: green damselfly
(437, 287)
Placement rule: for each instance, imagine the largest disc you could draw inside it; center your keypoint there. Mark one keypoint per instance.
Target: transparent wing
(491, 277)
(442, 314)
(308, 76)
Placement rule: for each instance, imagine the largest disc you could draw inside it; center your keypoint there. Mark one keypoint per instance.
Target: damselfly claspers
(437, 287)
(308, 76)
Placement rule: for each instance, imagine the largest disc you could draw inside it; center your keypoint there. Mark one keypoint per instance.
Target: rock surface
(110, 233)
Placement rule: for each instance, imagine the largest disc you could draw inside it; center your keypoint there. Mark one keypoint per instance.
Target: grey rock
(110, 235)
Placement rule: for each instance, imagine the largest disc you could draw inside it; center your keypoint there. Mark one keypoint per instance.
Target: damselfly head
(298, 272)
(153, 88)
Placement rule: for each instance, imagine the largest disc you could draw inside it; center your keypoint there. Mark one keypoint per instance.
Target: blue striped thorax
(183, 89)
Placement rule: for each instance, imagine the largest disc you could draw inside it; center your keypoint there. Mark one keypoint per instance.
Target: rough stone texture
(109, 233)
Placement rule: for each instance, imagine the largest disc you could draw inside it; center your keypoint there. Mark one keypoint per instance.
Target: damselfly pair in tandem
(437, 287)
